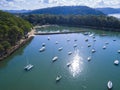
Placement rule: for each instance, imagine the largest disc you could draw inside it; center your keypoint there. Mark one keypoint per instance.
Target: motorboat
(56, 42)
(106, 42)
(89, 58)
(28, 67)
(109, 85)
(116, 62)
(93, 51)
(42, 49)
(61, 48)
(89, 45)
(58, 78)
(54, 58)
(43, 44)
(69, 53)
(48, 38)
(118, 51)
(86, 40)
(68, 64)
(104, 47)
(75, 45)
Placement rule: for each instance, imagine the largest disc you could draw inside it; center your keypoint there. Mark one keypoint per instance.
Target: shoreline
(19, 44)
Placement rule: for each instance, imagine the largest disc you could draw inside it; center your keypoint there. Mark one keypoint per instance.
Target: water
(81, 75)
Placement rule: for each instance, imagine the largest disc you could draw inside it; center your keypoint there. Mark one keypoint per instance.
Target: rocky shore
(19, 44)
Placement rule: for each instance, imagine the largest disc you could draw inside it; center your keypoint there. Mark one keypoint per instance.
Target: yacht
(118, 51)
(86, 40)
(48, 38)
(56, 42)
(116, 62)
(75, 45)
(89, 58)
(69, 53)
(28, 67)
(104, 47)
(61, 48)
(109, 85)
(54, 58)
(89, 45)
(68, 64)
(58, 78)
(42, 49)
(93, 51)
(43, 44)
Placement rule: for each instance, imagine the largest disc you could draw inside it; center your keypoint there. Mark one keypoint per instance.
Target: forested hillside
(100, 22)
(12, 29)
(68, 10)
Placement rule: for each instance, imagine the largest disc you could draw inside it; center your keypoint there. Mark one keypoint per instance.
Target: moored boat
(116, 62)
(42, 49)
(58, 78)
(69, 53)
(28, 67)
(54, 58)
(89, 58)
(109, 85)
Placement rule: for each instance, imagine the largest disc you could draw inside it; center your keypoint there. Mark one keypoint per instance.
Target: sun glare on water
(76, 64)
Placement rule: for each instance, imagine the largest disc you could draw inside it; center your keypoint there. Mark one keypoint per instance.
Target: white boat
(54, 58)
(106, 42)
(56, 42)
(118, 51)
(68, 64)
(42, 49)
(89, 45)
(48, 38)
(89, 58)
(104, 47)
(94, 40)
(75, 45)
(69, 53)
(93, 51)
(28, 67)
(116, 62)
(58, 78)
(86, 40)
(43, 44)
(109, 85)
(86, 33)
(61, 48)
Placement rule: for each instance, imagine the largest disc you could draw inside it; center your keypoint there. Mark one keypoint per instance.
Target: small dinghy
(109, 85)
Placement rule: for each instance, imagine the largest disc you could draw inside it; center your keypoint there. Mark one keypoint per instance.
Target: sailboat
(109, 85)
(28, 66)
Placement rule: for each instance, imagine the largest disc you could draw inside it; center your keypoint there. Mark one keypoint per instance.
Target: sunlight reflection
(76, 64)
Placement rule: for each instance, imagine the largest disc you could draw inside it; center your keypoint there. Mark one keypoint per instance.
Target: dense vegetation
(68, 10)
(12, 29)
(101, 22)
